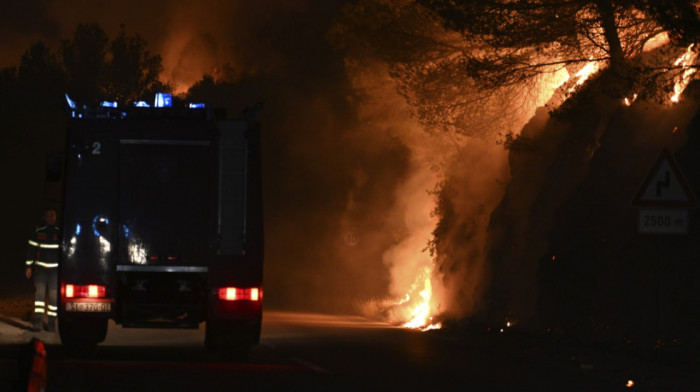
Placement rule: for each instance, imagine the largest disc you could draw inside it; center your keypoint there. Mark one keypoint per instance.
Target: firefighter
(42, 265)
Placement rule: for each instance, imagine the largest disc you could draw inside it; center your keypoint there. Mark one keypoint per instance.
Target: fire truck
(162, 223)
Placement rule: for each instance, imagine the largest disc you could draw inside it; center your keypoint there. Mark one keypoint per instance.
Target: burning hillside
(480, 89)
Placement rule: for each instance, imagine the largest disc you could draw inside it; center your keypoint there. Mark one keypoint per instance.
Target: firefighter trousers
(45, 278)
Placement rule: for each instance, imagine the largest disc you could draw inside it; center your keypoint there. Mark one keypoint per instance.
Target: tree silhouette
(122, 69)
(132, 71)
(522, 38)
(40, 71)
(84, 61)
(467, 66)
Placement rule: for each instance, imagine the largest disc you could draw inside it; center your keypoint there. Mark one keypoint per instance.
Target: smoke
(408, 218)
(357, 193)
(444, 202)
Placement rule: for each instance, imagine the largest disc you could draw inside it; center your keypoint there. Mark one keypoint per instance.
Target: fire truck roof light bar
(163, 100)
(161, 268)
(71, 103)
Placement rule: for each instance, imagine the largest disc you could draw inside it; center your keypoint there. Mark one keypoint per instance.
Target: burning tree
(460, 62)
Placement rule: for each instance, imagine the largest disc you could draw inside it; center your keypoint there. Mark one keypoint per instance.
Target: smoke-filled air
(422, 166)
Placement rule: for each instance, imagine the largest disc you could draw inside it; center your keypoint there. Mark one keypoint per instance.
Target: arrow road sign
(665, 186)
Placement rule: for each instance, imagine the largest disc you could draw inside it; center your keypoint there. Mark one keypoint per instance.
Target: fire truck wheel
(82, 334)
(221, 339)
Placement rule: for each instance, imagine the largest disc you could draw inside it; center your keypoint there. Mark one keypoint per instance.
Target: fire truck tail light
(254, 294)
(239, 294)
(95, 291)
(86, 291)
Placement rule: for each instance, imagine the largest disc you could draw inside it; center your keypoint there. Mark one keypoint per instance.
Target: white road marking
(310, 365)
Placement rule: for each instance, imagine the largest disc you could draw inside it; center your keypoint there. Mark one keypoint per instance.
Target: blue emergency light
(108, 104)
(141, 104)
(197, 106)
(71, 103)
(163, 100)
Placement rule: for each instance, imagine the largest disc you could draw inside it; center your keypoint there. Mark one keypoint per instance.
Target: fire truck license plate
(88, 306)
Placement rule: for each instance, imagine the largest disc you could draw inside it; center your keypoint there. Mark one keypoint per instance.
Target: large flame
(412, 267)
(421, 314)
(584, 73)
(685, 61)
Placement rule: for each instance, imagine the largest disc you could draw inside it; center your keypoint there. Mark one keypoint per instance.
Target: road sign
(663, 221)
(665, 186)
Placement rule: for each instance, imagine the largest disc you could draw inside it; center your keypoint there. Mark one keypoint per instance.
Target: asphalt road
(312, 352)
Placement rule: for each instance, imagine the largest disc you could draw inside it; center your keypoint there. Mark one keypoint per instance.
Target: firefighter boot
(51, 327)
(37, 323)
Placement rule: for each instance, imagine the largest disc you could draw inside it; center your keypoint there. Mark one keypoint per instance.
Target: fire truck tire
(82, 334)
(222, 338)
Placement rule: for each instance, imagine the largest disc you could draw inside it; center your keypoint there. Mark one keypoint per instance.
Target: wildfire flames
(681, 81)
(685, 61)
(584, 73)
(421, 314)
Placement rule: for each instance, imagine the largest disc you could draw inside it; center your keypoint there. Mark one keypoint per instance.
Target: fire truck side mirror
(54, 168)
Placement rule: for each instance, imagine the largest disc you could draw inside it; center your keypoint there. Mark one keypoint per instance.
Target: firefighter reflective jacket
(43, 247)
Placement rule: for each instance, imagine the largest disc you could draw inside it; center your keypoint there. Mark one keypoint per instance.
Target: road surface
(313, 352)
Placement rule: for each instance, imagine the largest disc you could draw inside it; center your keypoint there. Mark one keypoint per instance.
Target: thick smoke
(350, 176)
(409, 218)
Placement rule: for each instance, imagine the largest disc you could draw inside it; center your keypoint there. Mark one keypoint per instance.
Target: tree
(84, 61)
(132, 72)
(122, 69)
(521, 38)
(465, 65)
(41, 71)
(424, 59)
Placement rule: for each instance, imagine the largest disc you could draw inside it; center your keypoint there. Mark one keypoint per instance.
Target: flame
(560, 77)
(628, 101)
(584, 73)
(421, 314)
(630, 383)
(682, 81)
(656, 41)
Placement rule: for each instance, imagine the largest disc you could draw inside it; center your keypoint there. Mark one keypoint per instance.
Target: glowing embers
(240, 294)
(84, 291)
(682, 80)
(629, 101)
